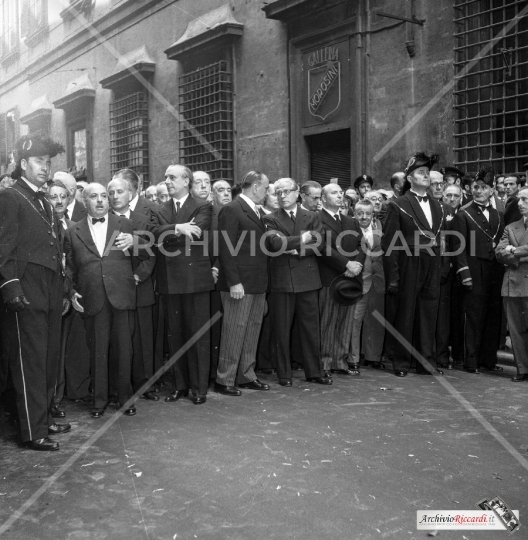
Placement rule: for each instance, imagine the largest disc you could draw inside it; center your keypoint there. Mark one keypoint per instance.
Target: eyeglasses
(375, 199)
(437, 184)
(284, 192)
(452, 196)
(62, 197)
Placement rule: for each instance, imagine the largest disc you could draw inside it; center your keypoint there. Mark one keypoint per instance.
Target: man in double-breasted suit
(295, 282)
(412, 263)
(479, 227)
(104, 292)
(342, 255)
(32, 290)
(184, 278)
(119, 196)
(512, 251)
(242, 281)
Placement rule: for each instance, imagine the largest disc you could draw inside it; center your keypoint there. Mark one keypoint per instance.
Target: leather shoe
(131, 411)
(353, 366)
(374, 365)
(319, 380)
(285, 382)
(150, 395)
(227, 390)
(473, 370)
(56, 412)
(400, 373)
(176, 396)
(199, 399)
(520, 377)
(56, 429)
(346, 371)
(255, 385)
(494, 368)
(97, 413)
(46, 444)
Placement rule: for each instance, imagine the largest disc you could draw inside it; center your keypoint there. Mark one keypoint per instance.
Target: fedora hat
(346, 291)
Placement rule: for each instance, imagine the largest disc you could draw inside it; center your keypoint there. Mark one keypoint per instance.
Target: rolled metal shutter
(330, 157)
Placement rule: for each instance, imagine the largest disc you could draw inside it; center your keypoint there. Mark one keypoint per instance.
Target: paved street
(351, 461)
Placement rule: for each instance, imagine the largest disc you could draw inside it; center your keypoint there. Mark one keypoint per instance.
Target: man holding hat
(363, 184)
(343, 258)
(480, 274)
(412, 263)
(31, 263)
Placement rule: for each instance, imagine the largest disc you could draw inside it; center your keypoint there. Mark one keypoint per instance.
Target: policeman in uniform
(480, 274)
(32, 290)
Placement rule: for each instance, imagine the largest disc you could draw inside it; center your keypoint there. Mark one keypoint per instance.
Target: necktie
(525, 224)
(122, 215)
(63, 221)
(292, 215)
(336, 217)
(425, 198)
(66, 215)
(98, 220)
(178, 204)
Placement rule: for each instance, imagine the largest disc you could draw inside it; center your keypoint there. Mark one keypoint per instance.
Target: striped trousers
(336, 331)
(240, 333)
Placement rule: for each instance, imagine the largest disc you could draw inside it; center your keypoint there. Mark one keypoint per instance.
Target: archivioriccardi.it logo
(493, 515)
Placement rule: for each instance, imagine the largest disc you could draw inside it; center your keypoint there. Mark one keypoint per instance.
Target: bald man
(76, 210)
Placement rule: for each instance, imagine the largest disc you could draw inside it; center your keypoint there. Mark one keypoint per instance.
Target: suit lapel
(301, 221)
(186, 210)
(167, 211)
(250, 213)
(83, 231)
(519, 231)
(286, 221)
(114, 224)
(331, 222)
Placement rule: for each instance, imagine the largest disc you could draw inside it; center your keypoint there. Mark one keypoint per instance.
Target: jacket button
(53, 258)
(49, 232)
(52, 244)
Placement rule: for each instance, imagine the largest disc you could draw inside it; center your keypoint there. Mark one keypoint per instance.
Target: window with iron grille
(491, 93)
(129, 135)
(206, 121)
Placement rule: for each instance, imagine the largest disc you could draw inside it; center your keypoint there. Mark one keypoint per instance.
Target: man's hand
(188, 229)
(308, 238)
(65, 306)
(393, 289)
(138, 281)
(237, 291)
(75, 302)
(468, 285)
(291, 252)
(124, 241)
(215, 274)
(353, 269)
(18, 303)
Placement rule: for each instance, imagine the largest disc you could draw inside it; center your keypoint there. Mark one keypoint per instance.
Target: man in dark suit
(295, 282)
(343, 256)
(120, 195)
(412, 263)
(184, 279)
(138, 204)
(32, 290)
(221, 191)
(75, 210)
(243, 281)
(99, 265)
(512, 213)
(481, 227)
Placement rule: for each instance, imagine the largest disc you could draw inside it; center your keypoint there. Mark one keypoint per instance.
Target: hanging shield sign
(324, 89)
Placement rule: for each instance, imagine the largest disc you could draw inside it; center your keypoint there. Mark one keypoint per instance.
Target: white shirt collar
(252, 205)
(333, 214)
(126, 214)
(69, 208)
(33, 187)
(265, 210)
(134, 201)
(181, 201)
(294, 210)
(369, 228)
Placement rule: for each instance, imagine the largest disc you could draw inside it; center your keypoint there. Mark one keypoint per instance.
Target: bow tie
(425, 198)
(98, 220)
(483, 206)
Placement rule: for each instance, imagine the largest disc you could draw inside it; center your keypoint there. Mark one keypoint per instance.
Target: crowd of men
(305, 278)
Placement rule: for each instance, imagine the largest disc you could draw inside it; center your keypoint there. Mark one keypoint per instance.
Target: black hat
(346, 291)
(35, 145)
(420, 159)
(452, 171)
(362, 179)
(487, 175)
